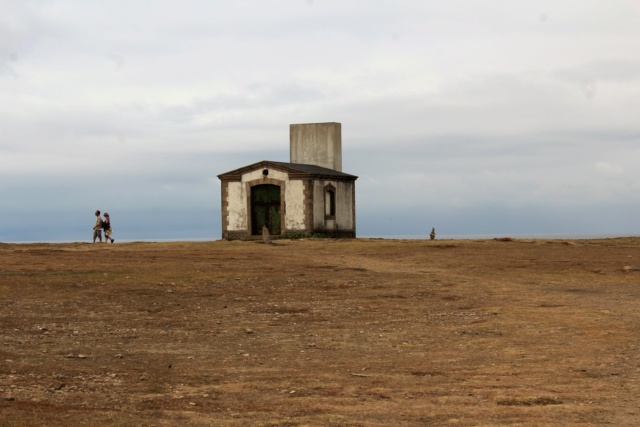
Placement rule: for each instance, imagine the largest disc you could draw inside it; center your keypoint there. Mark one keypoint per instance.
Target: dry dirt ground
(319, 332)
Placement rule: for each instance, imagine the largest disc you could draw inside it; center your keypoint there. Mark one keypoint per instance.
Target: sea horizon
(488, 236)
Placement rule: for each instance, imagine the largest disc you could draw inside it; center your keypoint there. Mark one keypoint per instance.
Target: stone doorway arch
(265, 209)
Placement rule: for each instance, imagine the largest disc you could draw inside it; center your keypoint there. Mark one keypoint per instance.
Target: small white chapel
(310, 195)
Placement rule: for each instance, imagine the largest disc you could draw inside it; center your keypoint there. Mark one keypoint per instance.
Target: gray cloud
(476, 117)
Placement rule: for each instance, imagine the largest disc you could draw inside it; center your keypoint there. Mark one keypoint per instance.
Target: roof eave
(294, 173)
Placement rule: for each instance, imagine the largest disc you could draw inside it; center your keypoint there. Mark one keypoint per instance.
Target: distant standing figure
(97, 228)
(107, 228)
(432, 235)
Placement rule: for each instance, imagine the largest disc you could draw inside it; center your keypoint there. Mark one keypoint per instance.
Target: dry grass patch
(361, 332)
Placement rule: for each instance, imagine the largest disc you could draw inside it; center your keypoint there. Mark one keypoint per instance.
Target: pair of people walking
(100, 225)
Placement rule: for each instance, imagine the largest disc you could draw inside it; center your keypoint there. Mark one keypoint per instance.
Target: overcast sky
(470, 116)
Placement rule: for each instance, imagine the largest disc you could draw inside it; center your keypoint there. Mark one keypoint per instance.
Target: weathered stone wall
(237, 215)
(344, 219)
(294, 206)
(237, 202)
(317, 144)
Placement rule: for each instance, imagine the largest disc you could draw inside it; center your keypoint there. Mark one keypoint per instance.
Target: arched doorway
(265, 208)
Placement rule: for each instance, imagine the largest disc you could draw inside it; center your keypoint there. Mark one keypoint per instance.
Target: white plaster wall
(257, 174)
(294, 218)
(294, 206)
(237, 206)
(344, 205)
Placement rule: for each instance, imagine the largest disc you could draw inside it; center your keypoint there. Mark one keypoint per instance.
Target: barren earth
(321, 332)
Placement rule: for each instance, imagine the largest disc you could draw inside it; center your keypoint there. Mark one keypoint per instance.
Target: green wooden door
(265, 208)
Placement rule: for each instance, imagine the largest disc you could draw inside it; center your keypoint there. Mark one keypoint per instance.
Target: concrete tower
(317, 144)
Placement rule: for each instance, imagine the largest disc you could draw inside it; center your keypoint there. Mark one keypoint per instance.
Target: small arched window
(330, 202)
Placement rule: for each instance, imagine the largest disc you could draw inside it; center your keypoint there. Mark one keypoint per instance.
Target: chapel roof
(295, 170)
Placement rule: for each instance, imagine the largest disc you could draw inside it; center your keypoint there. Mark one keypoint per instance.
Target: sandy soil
(321, 332)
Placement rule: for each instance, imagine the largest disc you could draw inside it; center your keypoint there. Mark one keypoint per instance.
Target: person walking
(107, 228)
(97, 228)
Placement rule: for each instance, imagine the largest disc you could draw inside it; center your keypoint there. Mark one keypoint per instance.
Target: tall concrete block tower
(317, 144)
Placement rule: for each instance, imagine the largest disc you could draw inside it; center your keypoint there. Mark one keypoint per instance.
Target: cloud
(494, 113)
(609, 169)
(621, 72)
